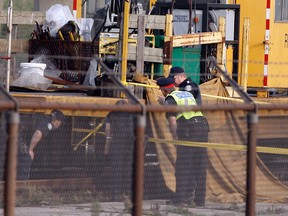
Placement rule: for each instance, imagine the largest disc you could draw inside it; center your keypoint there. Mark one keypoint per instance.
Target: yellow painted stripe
(240, 147)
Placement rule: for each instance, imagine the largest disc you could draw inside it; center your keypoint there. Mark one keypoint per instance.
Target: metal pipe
(138, 179)
(11, 164)
(11, 154)
(138, 108)
(252, 121)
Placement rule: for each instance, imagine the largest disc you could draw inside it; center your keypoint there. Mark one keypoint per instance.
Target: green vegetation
(96, 208)
(36, 196)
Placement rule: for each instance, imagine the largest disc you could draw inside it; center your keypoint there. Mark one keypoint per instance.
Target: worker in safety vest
(185, 84)
(191, 162)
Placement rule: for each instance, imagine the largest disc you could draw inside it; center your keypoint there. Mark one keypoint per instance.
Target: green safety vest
(184, 98)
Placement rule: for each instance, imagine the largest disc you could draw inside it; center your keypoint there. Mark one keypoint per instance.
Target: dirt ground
(150, 208)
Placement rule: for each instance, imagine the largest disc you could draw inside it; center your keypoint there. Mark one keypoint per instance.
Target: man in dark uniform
(185, 84)
(119, 146)
(191, 162)
(26, 145)
(44, 126)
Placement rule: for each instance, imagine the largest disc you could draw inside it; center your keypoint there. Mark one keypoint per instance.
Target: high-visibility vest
(184, 98)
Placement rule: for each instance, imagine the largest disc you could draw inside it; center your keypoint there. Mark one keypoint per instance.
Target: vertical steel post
(11, 164)
(138, 178)
(252, 123)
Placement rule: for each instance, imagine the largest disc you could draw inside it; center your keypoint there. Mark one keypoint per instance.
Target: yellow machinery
(268, 43)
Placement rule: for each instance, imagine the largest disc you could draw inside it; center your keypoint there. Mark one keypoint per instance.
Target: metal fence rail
(250, 136)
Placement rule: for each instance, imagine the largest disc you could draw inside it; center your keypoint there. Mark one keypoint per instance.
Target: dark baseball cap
(175, 71)
(57, 114)
(165, 83)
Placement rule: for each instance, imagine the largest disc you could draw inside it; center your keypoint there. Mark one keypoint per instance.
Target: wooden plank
(196, 39)
(151, 21)
(221, 46)
(243, 78)
(168, 48)
(140, 53)
(29, 17)
(140, 45)
(23, 17)
(65, 98)
(221, 49)
(150, 54)
(18, 46)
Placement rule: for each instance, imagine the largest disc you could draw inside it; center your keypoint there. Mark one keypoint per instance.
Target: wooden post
(245, 54)
(9, 26)
(221, 48)
(140, 52)
(167, 39)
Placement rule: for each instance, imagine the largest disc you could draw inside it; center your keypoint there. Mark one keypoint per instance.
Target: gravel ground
(150, 208)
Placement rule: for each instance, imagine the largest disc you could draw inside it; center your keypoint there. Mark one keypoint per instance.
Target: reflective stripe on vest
(184, 98)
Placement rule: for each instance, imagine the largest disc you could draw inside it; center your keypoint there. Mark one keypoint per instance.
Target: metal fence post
(11, 164)
(138, 178)
(252, 121)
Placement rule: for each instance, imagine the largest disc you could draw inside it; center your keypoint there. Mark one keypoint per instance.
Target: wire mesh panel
(89, 161)
(71, 57)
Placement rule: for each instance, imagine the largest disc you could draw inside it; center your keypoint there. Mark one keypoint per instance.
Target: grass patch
(32, 195)
(96, 208)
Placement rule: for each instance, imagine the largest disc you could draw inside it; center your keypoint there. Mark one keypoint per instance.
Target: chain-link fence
(95, 158)
(113, 154)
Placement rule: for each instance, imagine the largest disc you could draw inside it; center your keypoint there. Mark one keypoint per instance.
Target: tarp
(226, 173)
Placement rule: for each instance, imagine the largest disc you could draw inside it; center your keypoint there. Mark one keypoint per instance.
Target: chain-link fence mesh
(89, 162)
(90, 159)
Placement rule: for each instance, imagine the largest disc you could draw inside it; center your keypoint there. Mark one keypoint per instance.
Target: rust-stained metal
(196, 39)
(138, 108)
(11, 164)
(252, 121)
(11, 153)
(138, 180)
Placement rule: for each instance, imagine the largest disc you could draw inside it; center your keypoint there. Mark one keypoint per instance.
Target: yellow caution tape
(144, 85)
(231, 99)
(89, 134)
(259, 149)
